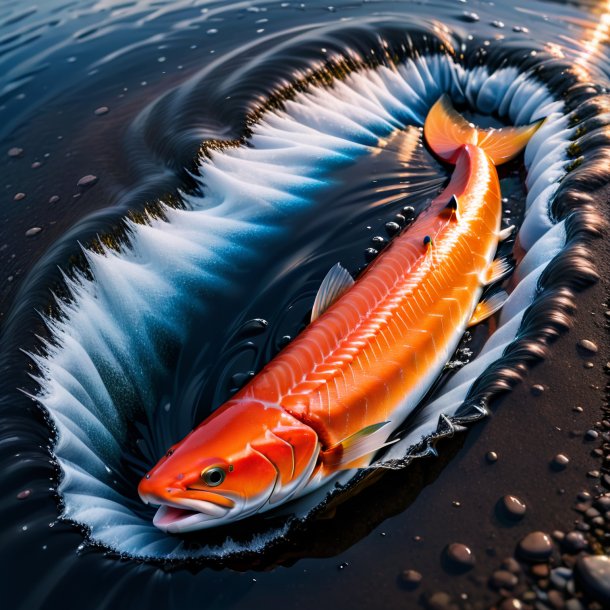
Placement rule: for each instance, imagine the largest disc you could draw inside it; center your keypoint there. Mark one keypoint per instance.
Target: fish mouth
(189, 516)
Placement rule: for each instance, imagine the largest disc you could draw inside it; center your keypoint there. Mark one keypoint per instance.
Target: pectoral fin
(336, 283)
(497, 270)
(506, 233)
(487, 307)
(356, 450)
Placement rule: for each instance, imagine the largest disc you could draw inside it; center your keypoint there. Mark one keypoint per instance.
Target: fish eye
(213, 476)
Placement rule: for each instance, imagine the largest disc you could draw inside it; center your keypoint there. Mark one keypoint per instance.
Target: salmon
(331, 399)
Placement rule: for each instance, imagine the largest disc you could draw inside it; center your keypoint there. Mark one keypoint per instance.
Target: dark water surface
(127, 92)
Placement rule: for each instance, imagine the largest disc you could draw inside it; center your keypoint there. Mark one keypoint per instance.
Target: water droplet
(370, 254)
(460, 555)
(536, 546)
(513, 507)
(252, 327)
(101, 110)
(88, 180)
(392, 228)
(470, 17)
(585, 345)
(411, 578)
(15, 152)
(491, 457)
(560, 461)
(22, 495)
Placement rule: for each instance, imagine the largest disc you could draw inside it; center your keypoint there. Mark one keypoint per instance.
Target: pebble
(536, 546)
(22, 495)
(511, 603)
(593, 572)
(540, 570)
(537, 389)
(411, 578)
(54, 199)
(512, 565)
(556, 599)
(36, 164)
(560, 461)
(578, 409)
(88, 180)
(574, 542)
(15, 152)
(497, 23)
(491, 457)
(461, 555)
(513, 506)
(503, 579)
(603, 502)
(591, 435)
(33, 231)
(19, 196)
(439, 601)
(587, 346)
(101, 110)
(574, 604)
(559, 579)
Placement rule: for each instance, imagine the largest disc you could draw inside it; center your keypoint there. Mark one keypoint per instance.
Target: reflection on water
(128, 91)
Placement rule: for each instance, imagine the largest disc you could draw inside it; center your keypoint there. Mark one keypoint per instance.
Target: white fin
(488, 307)
(506, 233)
(362, 444)
(336, 283)
(497, 270)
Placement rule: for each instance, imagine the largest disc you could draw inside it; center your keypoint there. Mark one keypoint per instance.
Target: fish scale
(375, 330)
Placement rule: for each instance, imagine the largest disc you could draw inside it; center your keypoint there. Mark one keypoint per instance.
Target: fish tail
(447, 131)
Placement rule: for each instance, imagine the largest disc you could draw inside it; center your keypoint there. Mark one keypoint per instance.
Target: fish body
(333, 397)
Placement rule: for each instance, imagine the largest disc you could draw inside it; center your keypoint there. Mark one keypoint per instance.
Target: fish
(336, 395)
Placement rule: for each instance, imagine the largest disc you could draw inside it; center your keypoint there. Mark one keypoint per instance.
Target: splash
(117, 335)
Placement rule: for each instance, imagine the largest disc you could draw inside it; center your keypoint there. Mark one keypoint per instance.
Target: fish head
(245, 458)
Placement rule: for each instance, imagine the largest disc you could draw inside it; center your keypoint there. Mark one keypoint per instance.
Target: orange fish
(331, 399)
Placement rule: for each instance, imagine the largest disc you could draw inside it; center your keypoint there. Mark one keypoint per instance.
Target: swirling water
(180, 74)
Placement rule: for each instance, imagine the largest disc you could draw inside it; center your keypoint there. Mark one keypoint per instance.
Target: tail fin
(447, 131)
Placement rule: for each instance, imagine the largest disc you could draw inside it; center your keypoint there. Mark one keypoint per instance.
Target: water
(174, 75)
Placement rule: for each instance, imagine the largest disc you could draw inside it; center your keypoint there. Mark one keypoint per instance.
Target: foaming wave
(117, 336)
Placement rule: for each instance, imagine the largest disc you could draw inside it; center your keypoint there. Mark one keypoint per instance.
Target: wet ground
(73, 109)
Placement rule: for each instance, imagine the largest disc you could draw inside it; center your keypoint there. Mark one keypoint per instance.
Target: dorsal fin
(336, 283)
